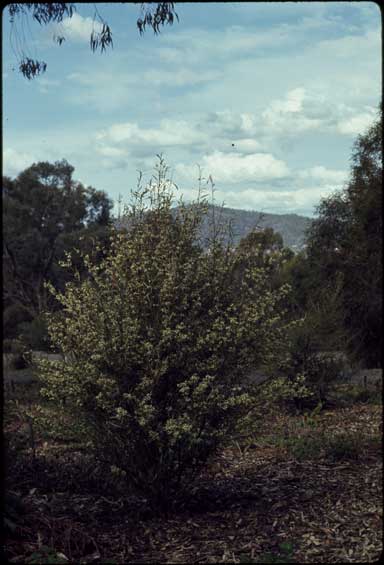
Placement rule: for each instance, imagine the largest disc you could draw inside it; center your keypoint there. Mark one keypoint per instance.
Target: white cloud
(303, 110)
(226, 133)
(14, 161)
(247, 145)
(262, 200)
(169, 133)
(113, 158)
(293, 102)
(77, 28)
(300, 201)
(235, 167)
(229, 122)
(281, 191)
(357, 124)
(323, 175)
(308, 197)
(107, 151)
(299, 111)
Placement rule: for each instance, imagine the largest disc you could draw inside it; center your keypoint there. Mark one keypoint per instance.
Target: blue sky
(291, 85)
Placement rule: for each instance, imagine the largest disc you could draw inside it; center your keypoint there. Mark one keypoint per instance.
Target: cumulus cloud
(247, 145)
(15, 161)
(262, 199)
(303, 110)
(297, 112)
(78, 28)
(231, 123)
(323, 175)
(293, 102)
(356, 124)
(235, 167)
(107, 151)
(168, 133)
(262, 182)
(308, 197)
(227, 133)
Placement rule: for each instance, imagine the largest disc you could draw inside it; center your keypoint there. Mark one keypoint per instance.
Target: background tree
(45, 213)
(265, 249)
(265, 240)
(346, 240)
(153, 14)
(297, 272)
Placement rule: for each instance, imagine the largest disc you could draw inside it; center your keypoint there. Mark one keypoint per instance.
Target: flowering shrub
(286, 389)
(157, 340)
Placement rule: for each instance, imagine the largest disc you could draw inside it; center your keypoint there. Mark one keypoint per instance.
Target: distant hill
(291, 226)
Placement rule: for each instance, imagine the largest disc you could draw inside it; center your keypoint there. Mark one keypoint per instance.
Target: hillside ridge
(291, 226)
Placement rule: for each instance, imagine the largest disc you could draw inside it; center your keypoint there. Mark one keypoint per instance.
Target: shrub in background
(35, 334)
(158, 339)
(315, 371)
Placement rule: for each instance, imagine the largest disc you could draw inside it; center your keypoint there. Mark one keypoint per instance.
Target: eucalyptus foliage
(346, 240)
(158, 338)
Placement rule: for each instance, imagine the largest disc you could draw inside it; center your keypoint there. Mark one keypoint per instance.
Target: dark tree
(45, 213)
(346, 240)
(153, 15)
